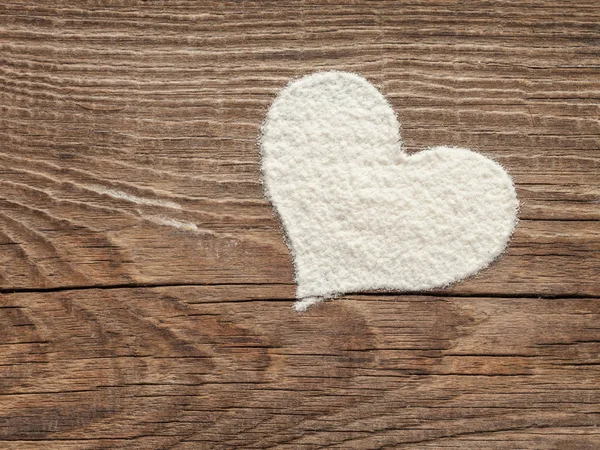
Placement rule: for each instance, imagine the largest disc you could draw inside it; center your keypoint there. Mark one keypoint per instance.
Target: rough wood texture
(128, 158)
(223, 367)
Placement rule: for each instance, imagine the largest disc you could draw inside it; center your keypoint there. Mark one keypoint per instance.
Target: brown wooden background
(146, 292)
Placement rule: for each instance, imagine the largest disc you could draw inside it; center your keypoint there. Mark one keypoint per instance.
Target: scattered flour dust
(359, 213)
(133, 198)
(159, 220)
(167, 221)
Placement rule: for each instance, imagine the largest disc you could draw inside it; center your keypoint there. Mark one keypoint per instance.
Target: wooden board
(146, 289)
(229, 367)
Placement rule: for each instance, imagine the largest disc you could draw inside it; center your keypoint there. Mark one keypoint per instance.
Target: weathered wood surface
(228, 367)
(128, 158)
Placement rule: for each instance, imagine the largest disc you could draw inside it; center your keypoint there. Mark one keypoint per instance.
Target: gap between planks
(346, 295)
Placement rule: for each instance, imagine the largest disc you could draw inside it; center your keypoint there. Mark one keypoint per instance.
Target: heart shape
(359, 213)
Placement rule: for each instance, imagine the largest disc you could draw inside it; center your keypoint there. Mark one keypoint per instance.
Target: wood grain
(145, 286)
(225, 367)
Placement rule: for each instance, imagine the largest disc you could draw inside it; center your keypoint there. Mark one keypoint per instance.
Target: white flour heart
(359, 213)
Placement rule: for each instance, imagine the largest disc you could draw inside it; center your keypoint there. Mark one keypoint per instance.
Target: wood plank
(79, 237)
(229, 367)
(128, 140)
